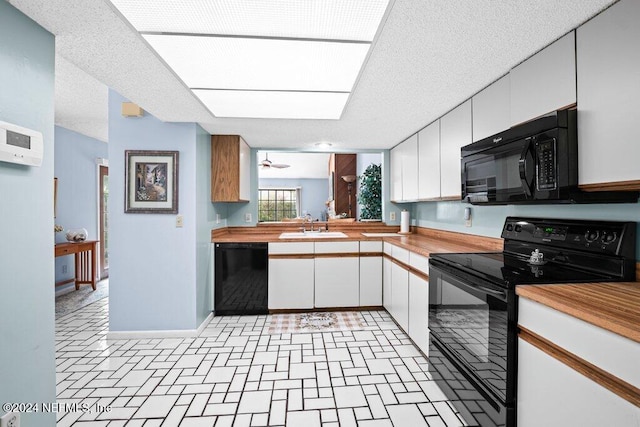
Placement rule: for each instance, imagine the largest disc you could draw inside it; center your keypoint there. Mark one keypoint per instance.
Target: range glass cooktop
(510, 270)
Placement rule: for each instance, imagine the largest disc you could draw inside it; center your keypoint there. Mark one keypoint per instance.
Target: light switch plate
(10, 419)
(179, 221)
(247, 217)
(217, 218)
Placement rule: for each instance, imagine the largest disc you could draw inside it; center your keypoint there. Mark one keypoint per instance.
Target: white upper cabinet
(396, 173)
(429, 162)
(608, 53)
(455, 132)
(545, 82)
(492, 109)
(410, 168)
(245, 170)
(404, 170)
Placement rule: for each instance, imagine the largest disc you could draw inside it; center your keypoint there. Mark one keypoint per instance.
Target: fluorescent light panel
(322, 19)
(263, 57)
(266, 64)
(274, 105)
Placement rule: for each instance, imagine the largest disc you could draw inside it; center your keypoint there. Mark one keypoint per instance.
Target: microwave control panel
(546, 165)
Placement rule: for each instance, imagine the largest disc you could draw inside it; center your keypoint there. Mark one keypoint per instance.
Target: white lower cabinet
(370, 273)
(419, 312)
(386, 283)
(291, 278)
(552, 394)
(400, 295)
(291, 283)
(337, 278)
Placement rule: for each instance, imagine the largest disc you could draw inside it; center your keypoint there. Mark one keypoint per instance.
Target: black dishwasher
(241, 278)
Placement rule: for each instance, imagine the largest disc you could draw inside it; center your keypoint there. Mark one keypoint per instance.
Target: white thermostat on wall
(20, 145)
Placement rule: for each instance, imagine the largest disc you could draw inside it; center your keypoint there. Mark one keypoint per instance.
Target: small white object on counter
(404, 221)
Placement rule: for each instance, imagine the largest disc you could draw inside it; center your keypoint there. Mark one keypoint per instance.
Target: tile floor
(236, 374)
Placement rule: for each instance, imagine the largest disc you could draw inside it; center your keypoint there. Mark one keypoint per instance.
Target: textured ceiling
(81, 101)
(428, 57)
(301, 165)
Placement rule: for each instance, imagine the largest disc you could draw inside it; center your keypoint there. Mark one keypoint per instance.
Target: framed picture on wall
(151, 182)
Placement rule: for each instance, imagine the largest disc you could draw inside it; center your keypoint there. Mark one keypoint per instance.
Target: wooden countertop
(424, 241)
(613, 306)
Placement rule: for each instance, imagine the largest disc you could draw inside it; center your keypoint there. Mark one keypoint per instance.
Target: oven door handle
(490, 291)
(522, 168)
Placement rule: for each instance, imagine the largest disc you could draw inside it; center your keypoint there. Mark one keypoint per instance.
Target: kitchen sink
(313, 235)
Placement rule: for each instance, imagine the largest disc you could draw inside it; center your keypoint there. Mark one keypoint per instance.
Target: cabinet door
(492, 109)
(608, 60)
(337, 282)
(429, 162)
(545, 82)
(230, 169)
(386, 284)
(455, 132)
(410, 168)
(419, 312)
(370, 280)
(400, 296)
(245, 170)
(291, 283)
(396, 173)
(552, 394)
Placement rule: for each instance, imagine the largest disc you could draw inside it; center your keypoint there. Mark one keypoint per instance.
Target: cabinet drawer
(387, 248)
(608, 351)
(400, 254)
(293, 248)
(336, 247)
(419, 262)
(371, 246)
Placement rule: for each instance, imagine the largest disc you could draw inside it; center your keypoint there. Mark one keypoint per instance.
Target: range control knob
(518, 228)
(509, 227)
(591, 236)
(609, 237)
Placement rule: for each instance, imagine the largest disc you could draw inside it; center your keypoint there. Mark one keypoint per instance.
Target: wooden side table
(86, 261)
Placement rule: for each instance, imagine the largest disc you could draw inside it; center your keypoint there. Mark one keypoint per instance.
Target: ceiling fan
(266, 163)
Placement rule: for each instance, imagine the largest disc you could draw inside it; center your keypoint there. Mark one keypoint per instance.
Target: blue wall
(77, 173)
(488, 220)
(313, 195)
(205, 221)
(27, 358)
(155, 266)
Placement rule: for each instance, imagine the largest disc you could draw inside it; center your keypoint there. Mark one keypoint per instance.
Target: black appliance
(241, 278)
(473, 305)
(535, 162)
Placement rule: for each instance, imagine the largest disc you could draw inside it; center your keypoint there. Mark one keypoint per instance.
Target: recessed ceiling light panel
(266, 64)
(274, 105)
(321, 19)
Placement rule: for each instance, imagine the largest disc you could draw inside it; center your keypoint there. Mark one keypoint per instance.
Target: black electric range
(473, 305)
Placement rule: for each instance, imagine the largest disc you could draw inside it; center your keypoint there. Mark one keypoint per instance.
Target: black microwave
(535, 162)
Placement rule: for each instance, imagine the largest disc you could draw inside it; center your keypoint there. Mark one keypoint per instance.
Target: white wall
(27, 358)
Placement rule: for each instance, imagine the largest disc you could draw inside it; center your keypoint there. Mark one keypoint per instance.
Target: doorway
(103, 231)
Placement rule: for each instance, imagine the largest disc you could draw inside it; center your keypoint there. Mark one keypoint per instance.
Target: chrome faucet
(310, 219)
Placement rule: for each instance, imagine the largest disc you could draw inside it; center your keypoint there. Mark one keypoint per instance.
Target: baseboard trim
(136, 335)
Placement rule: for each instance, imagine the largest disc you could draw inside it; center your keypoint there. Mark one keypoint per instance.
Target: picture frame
(151, 182)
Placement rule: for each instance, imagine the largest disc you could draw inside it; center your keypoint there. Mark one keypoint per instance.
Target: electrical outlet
(467, 222)
(247, 217)
(64, 269)
(179, 221)
(10, 419)
(392, 216)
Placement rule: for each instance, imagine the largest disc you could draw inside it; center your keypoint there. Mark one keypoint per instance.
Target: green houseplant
(370, 195)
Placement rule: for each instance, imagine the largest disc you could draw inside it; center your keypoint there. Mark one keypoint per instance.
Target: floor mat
(75, 300)
(316, 322)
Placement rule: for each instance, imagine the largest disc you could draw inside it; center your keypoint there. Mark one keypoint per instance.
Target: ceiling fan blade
(280, 166)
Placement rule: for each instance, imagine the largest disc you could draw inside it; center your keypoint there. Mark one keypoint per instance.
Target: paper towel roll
(404, 221)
